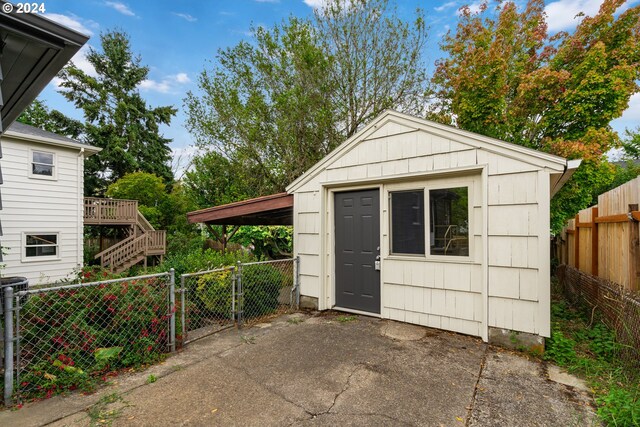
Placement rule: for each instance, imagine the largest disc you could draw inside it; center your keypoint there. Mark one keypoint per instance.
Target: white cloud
(561, 14)
(120, 7)
(445, 6)
(71, 21)
(473, 8)
(630, 117)
(166, 85)
(182, 158)
(182, 78)
(316, 4)
(186, 17)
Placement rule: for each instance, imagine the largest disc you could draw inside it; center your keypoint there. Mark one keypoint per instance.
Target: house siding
(510, 279)
(41, 205)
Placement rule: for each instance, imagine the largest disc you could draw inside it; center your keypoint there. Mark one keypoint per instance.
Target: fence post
(594, 241)
(297, 279)
(239, 293)
(234, 279)
(172, 307)
(576, 245)
(8, 345)
(634, 251)
(183, 309)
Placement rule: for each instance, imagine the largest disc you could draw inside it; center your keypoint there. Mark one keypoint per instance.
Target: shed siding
(41, 205)
(446, 294)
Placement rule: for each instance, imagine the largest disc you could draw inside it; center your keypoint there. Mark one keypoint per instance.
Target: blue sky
(178, 39)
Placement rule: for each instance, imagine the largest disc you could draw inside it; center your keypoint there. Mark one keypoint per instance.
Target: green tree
(37, 114)
(118, 119)
(505, 77)
(280, 104)
(215, 180)
(631, 143)
(377, 60)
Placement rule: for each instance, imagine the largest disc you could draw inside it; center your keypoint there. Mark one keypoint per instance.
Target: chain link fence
(207, 303)
(246, 293)
(72, 337)
(619, 309)
(265, 289)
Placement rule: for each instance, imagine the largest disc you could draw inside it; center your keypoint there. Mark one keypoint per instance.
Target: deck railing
(110, 211)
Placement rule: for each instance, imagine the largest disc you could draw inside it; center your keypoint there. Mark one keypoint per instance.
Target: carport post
(172, 307)
(8, 345)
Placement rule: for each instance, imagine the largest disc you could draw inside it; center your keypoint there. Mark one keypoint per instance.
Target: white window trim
(30, 162)
(434, 184)
(24, 256)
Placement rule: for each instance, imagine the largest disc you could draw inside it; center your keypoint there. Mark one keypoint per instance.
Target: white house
(42, 197)
(424, 223)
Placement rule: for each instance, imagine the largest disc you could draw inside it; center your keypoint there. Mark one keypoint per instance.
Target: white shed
(424, 223)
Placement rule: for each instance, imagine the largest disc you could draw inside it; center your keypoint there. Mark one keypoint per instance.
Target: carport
(274, 209)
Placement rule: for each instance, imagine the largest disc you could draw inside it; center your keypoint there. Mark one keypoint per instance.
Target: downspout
(80, 212)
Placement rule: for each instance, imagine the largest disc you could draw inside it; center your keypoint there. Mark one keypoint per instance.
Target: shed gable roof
(394, 123)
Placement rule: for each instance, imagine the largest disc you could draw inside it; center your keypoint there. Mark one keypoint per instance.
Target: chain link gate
(246, 293)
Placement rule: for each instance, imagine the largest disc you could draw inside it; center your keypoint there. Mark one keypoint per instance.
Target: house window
(407, 222)
(449, 221)
(41, 245)
(43, 164)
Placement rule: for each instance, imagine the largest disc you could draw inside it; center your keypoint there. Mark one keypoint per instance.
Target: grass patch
(587, 348)
(345, 319)
(101, 414)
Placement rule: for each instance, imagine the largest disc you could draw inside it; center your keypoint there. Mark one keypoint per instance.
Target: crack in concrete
(475, 388)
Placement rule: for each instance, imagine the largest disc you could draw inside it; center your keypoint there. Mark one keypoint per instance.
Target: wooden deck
(143, 239)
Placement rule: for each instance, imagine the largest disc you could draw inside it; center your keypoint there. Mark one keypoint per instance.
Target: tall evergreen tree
(37, 114)
(118, 119)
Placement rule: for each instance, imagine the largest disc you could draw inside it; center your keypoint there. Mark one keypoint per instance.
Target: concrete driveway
(327, 369)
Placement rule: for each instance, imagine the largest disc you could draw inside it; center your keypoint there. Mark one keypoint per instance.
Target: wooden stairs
(141, 241)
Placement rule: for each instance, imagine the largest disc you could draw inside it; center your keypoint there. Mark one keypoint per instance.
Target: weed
(248, 339)
(101, 415)
(295, 320)
(345, 319)
(588, 348)
(151, 379)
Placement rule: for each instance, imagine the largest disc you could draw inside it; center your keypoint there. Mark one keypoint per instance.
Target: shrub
(261, 285)
(195, 259)
(73, 337)
(214, 291)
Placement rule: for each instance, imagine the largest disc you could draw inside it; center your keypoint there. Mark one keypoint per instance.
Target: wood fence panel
(607, 236)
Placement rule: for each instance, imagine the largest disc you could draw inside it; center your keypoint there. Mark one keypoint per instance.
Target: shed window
(42, 164)
(407, 222)
(449, 221)
(41, 245)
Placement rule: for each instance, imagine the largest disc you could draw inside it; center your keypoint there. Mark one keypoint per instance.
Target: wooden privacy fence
(603, 240)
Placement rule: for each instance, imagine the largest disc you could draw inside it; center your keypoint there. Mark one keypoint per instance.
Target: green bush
(261, 285)
(194, 259)
(214, 291)
(72, 338)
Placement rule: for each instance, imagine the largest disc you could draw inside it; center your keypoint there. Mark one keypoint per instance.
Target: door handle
(377, 263)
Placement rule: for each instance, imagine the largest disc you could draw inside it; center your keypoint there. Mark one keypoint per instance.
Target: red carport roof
(275, 209)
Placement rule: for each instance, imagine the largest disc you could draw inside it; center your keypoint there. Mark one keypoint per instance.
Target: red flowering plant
(73, 337)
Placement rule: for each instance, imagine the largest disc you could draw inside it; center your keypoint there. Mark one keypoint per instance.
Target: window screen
(42, 164)
(37, 245)
(407, 222)
(449, 221)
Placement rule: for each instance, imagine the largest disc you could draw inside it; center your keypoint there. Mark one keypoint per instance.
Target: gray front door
(357, 237)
